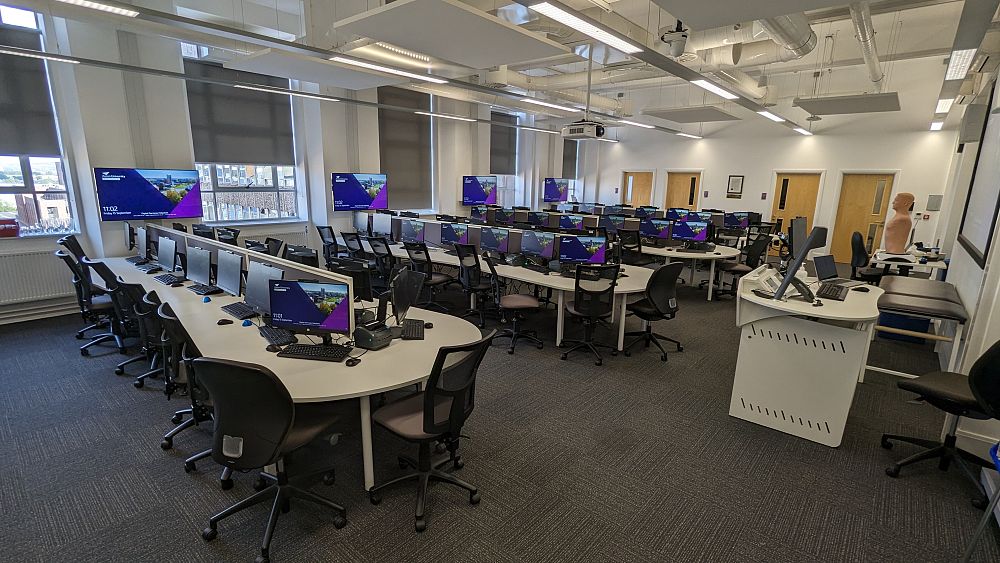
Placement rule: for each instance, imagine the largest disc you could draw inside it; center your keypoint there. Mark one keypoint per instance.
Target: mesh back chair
(593, 301)
(94, 309)
(630, 243)
(201, 230)
(331, 248)
(257, 425)
(658, 304)
(420, 261)
(984, 382)
(760, 229)
(384, 261)
(354, 247)
(409, 214)
(470, 275)
(182, 352)
(974, 396)
(229, 236)
(180, 227)
(123, 320)
(152, 337)
(72, 244)
(273, 246)
(255, 245)
(860, 260)
(134, 293)
(436, 414)
(515, 305)
(751, 256)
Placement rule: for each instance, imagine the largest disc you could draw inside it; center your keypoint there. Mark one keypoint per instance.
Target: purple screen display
(358, 192)
(308, 306)
(131, 193)
(479, 190)
(555, 190)
(590, 250)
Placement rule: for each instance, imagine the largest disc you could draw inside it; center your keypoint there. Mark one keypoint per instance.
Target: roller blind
(503, 144)
(27, 121)
(404, 140)
(569, 160)
(238, 126)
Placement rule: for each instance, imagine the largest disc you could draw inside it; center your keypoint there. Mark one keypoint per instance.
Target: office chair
(255, 245)
(331, 248)
(860, 261)
(258, 425)
(72, 244)
(201, 230)
(354, 247)
(974, 396)
(760, 229)
(988, 514)
(307, 257)
(228, 236)
(134, 294)
(516, 304)
(273, 246)
(446, 218)
(630, 242)
(470, 275)
(420, 261)
(593, 301)
(658, 304)
(383, 261)
(409, 214)
(436, 414)
(122, 322)
(95, 309)
(152, 338)
(180, 227)
(387, 212)
(751, 256)
(181, 352)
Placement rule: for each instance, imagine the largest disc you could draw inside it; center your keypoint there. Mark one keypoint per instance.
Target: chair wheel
(614, 352)
(260, 484)
(680, 348)
(123, 351)
(886, 443)
(167, 443)
(892, 471)
(177, 418)
(980, 503)
(441, 447)
(84, 352)
(510, 350)
(119, 371)
(598, 362)
(539, 345)
(663, 357)
(459, 463)
(329, 478)
(189, 466)
(137, 384)
(563, 357)
(79, 337)
(474, 498)
(262, 559)
(225, 484)
(339, 521)
(375, 498)
(627, 354)
(402, 463)
(420, 525)
(209, 534)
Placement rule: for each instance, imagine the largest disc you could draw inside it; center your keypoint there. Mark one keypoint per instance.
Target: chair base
(945, 452)
(647, 337)
(588, 345)
(515, 334)
(225, 479)
(100, 338)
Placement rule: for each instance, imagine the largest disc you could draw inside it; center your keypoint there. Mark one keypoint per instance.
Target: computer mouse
(178, 284)
(225, 322)
(428, 325)
(247, 323)
(206, 299)
(861, 288)
(817, 303)
(718, 254)
(351, 362)
(273, 348)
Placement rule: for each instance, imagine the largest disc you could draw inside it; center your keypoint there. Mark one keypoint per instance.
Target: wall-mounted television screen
(479, 190)
(133, 193)
(358, 192)
(555, 190)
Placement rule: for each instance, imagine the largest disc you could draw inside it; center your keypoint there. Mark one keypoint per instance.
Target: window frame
(275, 188)
(28, 188)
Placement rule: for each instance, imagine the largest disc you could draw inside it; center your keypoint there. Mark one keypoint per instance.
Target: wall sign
(735, 188)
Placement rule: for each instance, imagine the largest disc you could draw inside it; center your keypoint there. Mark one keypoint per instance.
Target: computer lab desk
(676, 253)
(798, 364)
(401, 364)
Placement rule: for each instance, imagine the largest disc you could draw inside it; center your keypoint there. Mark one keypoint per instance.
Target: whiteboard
(980, 215)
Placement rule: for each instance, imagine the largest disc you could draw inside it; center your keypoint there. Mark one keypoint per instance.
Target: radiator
(33, 276)
(289, 237)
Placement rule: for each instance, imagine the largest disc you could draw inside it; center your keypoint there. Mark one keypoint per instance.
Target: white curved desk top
(857, 307)
(720, 253)
(402, 363)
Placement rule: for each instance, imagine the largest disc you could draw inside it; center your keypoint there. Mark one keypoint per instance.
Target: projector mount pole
(590, 74)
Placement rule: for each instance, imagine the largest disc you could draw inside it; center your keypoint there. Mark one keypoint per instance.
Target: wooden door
(637, 188)
(864, 201)
(682, 190)
(795, 196)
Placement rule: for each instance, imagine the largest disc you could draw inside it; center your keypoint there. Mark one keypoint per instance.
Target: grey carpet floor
(635, 461)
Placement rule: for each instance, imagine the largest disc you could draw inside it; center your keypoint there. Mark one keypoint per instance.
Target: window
(33, 188)
(247, 192)
(503, 144)
(404, 140)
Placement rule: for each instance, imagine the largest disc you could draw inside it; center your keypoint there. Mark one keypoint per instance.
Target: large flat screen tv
(359, 192)
(479, 190)
(555, 190)
(133, 193)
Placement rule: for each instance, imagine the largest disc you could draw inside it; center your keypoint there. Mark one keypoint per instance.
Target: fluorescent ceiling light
(38, 56)
(584, 27)
(445, 116)
(390, 70)
(802, 131)
(643, 125)
(285, 92)
(540, 130)
(937, 125)
(102, 7)
(714, 89)
(549, 105)
(944, 106)
(688, 135)
(607, 140)
(771, 116)
(959, 63)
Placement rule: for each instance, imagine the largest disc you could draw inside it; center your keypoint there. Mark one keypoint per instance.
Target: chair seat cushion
(100, 302)
(645, 310)
(571, 309)
(945, 390)
(903, 304)
(519, 301)
(311, 419)
(916, 287)
(405, 417)
(736, 269)
(437, 278)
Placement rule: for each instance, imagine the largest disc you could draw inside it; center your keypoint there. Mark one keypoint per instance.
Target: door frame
(666, 178)
(894, 172)
(621, 182)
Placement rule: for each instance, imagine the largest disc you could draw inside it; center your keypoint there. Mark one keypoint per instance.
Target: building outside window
(247, 192)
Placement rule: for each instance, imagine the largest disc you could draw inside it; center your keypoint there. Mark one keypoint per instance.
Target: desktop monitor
(358, 271)
(555, 190)
(479, 190)
(381, 225)
(411, 230)
(612, 222)
(703, 216)
(816, 239)
(132, 193)
(538, 243)
(737, 220)
(362, 223)
(258, 276)
(141, 243)
(503, 216)
(645, 211)
(358, 192)
(452, 233)
(166, 253)
(677, 213)
(538, 218)
(404, 291)
(690, 231)
(492, 238)
(311, 307)
(582, 250)
(229, 274)
(574, 222)
(586, 208)
(656, 228)
(479, 212)
(199, 265)
(615, 210)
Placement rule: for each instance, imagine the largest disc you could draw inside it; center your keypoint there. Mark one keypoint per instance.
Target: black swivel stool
(515, 305)
(658, 304)
(860, 262)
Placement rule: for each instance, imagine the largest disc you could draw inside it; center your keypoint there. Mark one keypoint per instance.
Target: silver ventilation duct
(861, 16)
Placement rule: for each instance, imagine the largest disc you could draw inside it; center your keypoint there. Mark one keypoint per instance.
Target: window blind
(27, 120)
(404, 140)
(503, 144)
(569, 160)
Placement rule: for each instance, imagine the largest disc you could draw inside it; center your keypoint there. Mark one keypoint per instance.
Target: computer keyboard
(277, 336)
(412, 329)
(202, 289)
(536, 268)
(832, 291)
(323, 352)
(168, 279)
(148, 268)
(136, 260)
(241, 311)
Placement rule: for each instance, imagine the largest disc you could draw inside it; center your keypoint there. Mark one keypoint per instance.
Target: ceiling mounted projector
(583, 130)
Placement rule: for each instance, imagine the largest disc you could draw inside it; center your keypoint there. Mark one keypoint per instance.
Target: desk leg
(694, 264)
(711, 278)
(956, 343)
(870, 329)
(621, 323)
(560, 317)
(366, 442)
